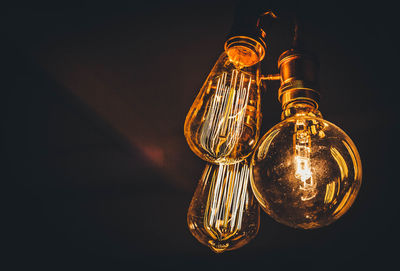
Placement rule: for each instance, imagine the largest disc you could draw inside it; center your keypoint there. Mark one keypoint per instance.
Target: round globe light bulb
(306, 172)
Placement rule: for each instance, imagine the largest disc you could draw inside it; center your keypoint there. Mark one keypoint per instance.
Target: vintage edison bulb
(223, 213)
(306, 172)
(222, 125)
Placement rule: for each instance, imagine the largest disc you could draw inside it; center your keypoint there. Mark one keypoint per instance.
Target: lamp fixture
(305, 172)
(223, 123)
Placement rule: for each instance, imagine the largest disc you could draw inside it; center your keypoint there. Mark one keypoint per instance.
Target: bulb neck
(300, 108)
(245, 51)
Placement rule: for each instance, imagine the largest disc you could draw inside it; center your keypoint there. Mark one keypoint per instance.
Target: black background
(97, 174)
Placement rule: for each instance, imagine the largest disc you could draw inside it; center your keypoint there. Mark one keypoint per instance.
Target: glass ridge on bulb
(223, 213)
(306, 172)
(223, 123)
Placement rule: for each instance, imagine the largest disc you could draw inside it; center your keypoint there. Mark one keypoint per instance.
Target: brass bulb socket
(244, 50)
(299, 77)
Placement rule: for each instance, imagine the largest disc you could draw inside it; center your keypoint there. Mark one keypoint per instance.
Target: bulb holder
(299, 77)
(244, 49)
(256, 34)
(251, 32)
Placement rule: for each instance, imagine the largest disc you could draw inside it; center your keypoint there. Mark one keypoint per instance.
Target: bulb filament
(226, 201)
(223, 124)
(302, 143)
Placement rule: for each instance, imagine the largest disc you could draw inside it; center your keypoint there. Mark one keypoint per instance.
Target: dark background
(97, 174)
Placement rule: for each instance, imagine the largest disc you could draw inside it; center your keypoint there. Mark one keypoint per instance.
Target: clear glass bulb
(222, 125)
(306, 172)
(223, 213)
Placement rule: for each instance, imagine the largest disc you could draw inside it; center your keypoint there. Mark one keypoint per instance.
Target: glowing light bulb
(302, 151)
(305, 172)
(223, 213)
(222, 125)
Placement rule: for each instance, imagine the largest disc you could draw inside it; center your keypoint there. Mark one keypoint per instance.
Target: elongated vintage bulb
(222, 125)
(223, 213)
(305, 172)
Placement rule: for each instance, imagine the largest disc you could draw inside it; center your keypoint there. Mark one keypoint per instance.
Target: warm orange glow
(302, 149)
(242, 56)
(224, 214)
(306, 170)
(222, 125)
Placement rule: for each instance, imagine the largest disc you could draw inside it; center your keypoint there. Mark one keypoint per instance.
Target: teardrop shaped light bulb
(222, 125)
(223, 213)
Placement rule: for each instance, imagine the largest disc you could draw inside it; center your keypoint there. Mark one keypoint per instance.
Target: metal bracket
(271, 77)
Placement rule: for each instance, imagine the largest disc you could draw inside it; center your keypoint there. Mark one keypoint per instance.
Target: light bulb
(222, 125)
(306, 172)
(223, 213)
